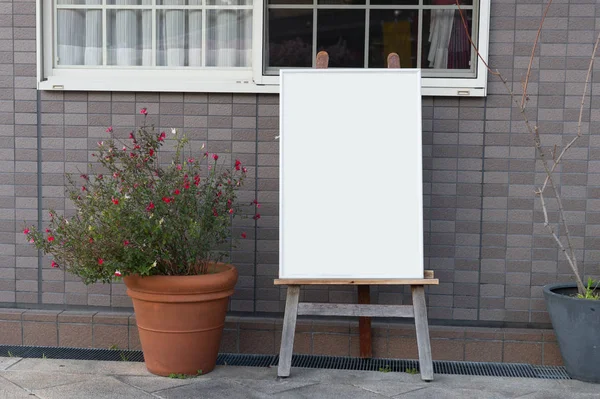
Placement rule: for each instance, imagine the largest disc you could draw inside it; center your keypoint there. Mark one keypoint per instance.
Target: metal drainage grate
(306, 361)
(71, 353)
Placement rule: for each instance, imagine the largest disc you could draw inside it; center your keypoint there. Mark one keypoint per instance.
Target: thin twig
(535, 43)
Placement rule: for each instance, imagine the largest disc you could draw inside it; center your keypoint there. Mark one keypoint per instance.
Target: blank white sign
(351, 203)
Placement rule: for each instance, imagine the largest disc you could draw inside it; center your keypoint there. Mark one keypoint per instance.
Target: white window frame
(238, 80)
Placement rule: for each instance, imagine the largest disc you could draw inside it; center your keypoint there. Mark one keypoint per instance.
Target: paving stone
(6, 362)
(97, 388)
(81, 367)
(12, 391)
(154, 383)
(451, 393)
(211, 389)
(326, 391)
(274, 385)
(389, 388)
(42, 380)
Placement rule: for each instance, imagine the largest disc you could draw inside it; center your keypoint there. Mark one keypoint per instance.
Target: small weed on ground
(412, 371)
(385, 369)
(185, 376)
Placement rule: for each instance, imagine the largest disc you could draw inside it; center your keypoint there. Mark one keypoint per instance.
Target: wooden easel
(364, 310)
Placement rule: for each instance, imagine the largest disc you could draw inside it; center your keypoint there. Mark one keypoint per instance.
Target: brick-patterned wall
(484, 235)
(89, 329)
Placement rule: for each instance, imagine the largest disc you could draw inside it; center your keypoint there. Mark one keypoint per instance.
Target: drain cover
(307, 361)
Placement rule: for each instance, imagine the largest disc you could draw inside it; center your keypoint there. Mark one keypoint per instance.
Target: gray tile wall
(484, 231)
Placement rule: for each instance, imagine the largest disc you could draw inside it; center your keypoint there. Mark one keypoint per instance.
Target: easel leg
(421, 324)
(289, 330)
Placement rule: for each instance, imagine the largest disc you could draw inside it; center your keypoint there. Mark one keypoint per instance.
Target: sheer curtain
(79, 35)
(179, 34)
(439, 36)
(230, 38)
(126, 35)
(195, 35)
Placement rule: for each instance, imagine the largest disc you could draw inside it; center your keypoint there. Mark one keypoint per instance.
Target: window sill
(154, 85)
(179, 86)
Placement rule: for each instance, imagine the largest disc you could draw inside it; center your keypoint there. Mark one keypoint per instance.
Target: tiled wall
(484, 231)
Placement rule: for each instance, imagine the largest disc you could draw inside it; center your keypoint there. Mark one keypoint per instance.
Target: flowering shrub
(144, 216)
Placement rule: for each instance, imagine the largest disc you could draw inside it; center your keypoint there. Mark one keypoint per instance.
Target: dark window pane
(445, 41)
(290, 1)
(396, 2)
(447, 2)
(341, 2)
(393, 31)
(342, 34)
(290, 38)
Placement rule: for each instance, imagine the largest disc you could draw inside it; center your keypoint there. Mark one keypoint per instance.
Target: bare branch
(569, 250)
(535, 43)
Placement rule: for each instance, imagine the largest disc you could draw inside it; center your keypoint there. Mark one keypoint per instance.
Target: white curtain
(93, 35)
(146, 38)
(79, 35)
(178, 35)
(195, 35)
(439, 37)
(230, 39)
(125, 45)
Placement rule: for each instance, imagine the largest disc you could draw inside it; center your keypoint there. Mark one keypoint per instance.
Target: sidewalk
(66, 379)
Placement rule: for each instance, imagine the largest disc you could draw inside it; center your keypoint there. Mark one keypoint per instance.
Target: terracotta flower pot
(180, 318)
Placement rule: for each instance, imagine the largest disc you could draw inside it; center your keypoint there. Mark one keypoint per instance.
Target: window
(240, 45)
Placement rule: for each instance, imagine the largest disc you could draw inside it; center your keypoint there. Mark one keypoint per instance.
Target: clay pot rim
(224, 279)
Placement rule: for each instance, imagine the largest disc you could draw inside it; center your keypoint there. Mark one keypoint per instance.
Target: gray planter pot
(576, 323)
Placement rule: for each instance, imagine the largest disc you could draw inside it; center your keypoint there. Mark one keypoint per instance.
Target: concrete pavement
(66, 379)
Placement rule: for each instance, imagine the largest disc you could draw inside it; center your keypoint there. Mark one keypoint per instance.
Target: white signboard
(351, 203)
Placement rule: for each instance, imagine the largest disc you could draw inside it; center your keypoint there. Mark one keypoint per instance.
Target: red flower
(176, 192)
(115, 201)
(238, 164)
(144, 111)
(99, 177)
(132, 155)
(136, 147)
(151, 152)
(231, 211)
(219, 194)
(84, 177)
(83, 188)
(26, 231)
(131, 136)
(191, 160)
(126, 242)
(100, 261)
(215, 213)
(162, 136)
(179, 167)
(54, 265)
(150, 206)
(109, 129)
(197, 180)
(91, 240)
(167, 199)
(47, 230)
(50, 239)
(244, 235)
(256, 217)
(117, 273)
(244, 170)
(215, 157)
(186, 185)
